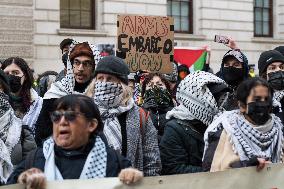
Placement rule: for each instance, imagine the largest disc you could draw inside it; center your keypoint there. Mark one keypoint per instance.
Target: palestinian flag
(193, 57)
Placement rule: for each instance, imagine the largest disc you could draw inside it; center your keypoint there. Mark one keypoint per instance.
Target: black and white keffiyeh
(195, 99)
(108, 96)
(31, 116)
(264, 141)
(10, 132)
(235, 53)
(66, 85)
(4, 103)
(94, 167)
(277, 97)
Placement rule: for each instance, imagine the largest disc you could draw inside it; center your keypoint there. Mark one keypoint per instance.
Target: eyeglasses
(68, 115)
(86, 64)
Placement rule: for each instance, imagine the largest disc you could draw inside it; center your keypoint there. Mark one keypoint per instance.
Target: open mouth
(80, 75)
(64, 133)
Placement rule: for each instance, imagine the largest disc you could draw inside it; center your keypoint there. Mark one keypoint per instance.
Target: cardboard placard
(146, 42)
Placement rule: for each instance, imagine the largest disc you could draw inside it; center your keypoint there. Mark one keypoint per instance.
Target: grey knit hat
(114, 66)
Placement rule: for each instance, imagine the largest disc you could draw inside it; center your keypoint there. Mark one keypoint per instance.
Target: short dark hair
(65, 43)
(84, 104)
(246, 86)
(29, 79)
(149, 77)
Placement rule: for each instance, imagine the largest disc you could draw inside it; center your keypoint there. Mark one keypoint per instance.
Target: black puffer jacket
(182, 147)
(24, 146)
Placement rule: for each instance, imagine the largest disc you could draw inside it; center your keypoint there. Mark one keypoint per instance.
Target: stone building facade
(31, 28)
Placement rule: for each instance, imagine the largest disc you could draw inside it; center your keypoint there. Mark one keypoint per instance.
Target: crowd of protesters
(95, 119)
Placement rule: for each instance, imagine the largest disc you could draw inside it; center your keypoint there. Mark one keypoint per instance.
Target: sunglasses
(68, 115)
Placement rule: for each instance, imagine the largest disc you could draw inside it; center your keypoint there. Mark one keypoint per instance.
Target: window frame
(190, 15)
(93, 17)
(270, 33)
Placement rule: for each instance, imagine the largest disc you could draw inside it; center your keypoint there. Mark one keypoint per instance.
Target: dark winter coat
(71, 164)
(182, 146)
(43, 126)
(24, 146)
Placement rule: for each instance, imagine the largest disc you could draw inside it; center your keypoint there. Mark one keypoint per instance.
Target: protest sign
(146, 42)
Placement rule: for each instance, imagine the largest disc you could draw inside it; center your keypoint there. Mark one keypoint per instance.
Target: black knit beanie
(114, 66)
(268, 57)
(280, 49)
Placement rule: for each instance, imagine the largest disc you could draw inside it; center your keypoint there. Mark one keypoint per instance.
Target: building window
(78, 14)
(263, 18)
(181, 11)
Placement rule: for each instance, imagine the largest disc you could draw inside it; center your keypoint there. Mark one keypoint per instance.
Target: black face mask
(259, 112)
(233, 76)
(15, 83)
(276, 80)
(157, 97)
(64, 59)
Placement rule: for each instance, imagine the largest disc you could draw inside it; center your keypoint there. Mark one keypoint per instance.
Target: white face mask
(108, 94)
